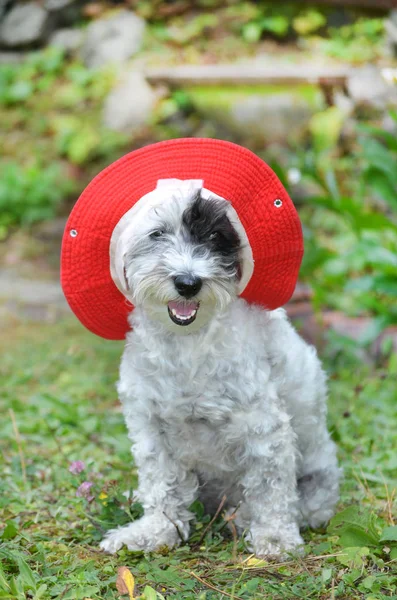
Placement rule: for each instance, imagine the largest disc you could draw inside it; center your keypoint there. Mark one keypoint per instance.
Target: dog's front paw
(276, 542)
(148, 534)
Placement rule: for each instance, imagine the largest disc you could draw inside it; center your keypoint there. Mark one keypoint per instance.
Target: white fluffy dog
(234, 406)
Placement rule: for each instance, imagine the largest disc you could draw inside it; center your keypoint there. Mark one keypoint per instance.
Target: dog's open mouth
(183, 313)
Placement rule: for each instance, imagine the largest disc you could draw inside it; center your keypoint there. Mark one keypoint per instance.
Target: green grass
(58, 404)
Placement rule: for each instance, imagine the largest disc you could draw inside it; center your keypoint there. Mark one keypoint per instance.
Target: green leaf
(380, 157)
(381, 183)
(26, 573)
(149, 593)
(355, 527)
(387, 137)
(325, 128)
(21, 90)
(277, 24)
(252, 32)
(354, 557)
(10, 531)
(3, 582)
(82, 144)
(389, 534)
(308, 21)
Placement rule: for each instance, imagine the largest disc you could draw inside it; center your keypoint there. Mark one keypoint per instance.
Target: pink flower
(76, 467)
(83, 491)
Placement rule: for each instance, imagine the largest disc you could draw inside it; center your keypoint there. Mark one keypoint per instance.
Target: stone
(25, 25)
(130, 104)
(257, 118)
(367, 86)
(113, 39)
(68, 39)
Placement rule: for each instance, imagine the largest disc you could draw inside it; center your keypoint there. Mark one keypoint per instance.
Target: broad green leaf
(10, 531)
(354, 557)
(355, 526)
(26, 573)
(389, 534)
(149, 593)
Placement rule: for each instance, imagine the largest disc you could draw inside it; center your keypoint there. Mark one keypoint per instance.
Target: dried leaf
(125, 582)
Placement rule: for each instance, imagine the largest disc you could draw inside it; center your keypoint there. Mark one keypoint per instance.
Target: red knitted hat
(264, 209)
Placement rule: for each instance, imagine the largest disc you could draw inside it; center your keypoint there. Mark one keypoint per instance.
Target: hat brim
(230, 171)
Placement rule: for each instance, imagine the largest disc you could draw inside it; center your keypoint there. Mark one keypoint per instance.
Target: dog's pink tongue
(184, 309)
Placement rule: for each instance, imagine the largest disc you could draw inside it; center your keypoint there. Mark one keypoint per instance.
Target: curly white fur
(238, 407)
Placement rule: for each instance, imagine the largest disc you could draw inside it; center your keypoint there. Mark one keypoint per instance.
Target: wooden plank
(240, 74)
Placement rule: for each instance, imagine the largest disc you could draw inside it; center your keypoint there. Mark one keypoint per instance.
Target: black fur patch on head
(207, 224)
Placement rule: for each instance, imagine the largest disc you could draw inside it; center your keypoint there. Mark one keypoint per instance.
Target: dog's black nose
(188, 285)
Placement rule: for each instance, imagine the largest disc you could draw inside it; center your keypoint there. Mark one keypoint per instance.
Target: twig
(19, 444)
(235, 540)
(67, 588)
(212, 587)
(218, 510)
(176, 527)
(230, 517)
(389, 502)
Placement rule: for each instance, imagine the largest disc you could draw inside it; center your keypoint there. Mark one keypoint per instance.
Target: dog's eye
(157, 234)
(215, 235)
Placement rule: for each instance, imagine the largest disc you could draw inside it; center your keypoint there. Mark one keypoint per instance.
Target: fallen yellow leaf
(125, 582)
(256, 562)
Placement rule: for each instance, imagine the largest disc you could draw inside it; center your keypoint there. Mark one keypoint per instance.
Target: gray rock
(256, 118)
(113, 39)
(130, 104)
(366, 86)
(69, 39)
(271, 117)
(25, 25)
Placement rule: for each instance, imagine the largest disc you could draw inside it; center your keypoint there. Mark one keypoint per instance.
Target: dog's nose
(188, 285)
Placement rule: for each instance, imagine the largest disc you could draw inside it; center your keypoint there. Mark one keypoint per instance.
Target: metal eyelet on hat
(278, 203)
(73, 233)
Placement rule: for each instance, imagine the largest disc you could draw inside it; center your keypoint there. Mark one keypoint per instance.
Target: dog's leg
(165, 490)
(270, 505)
(318, 482)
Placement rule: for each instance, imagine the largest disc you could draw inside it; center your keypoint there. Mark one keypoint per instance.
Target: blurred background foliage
(340, 166)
